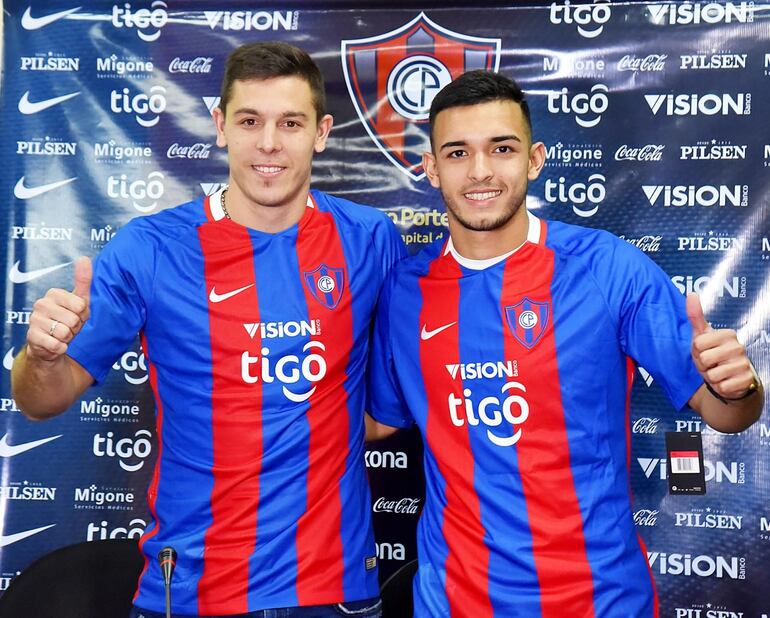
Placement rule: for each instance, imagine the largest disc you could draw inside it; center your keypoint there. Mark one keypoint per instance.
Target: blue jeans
(368, 608)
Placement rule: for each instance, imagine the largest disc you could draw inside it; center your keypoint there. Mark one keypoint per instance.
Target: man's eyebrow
(253, 112)
(494, 140)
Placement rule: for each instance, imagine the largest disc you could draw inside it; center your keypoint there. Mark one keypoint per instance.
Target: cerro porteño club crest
(393, 77)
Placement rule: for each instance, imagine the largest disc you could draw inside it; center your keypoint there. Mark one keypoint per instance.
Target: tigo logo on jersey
(288, 369)
(590, 20)
(392, 79)
(491, 412)
(326, 285)
(126, 16)
(527, 321)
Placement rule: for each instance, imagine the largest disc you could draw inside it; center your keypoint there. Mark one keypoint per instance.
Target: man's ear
(322, 132)
(431, 170)
(219, 123)
(536, 160)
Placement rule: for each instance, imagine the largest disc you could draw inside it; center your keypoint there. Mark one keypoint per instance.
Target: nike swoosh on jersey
(33, 23)
(11, 450)
(16, 276)
(8, 360)
(427, 334)
(23, 192)
(10, 539)
(33, 107)
(218, 298)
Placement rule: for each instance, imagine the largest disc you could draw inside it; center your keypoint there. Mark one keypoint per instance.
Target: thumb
(695, 314)
(83, 275)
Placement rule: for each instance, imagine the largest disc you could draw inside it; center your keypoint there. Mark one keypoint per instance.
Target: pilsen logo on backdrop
(393, 77)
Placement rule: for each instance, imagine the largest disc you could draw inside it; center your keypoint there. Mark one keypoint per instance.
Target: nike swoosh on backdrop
(10, 539)
(218, 298)
(427, 334)
(33, 23)
(33, 107)
(11, 450)
(23, 192)
(16, 276)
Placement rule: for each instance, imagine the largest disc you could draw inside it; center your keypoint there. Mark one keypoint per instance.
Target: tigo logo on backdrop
(143, 19)
(393, 77)
(119, 187)
(590, 19)
(140, 104)
(682, 13)
(134, 367)
(700, 104)
(252, 20)
(49, 62)
(587, 108)
(585, 197)
(127, 450)
(103, 530)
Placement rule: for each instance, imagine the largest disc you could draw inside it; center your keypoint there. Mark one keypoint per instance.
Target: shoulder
(593, 246)
(349, 213)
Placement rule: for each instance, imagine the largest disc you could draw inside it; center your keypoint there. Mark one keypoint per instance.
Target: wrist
(753, 388)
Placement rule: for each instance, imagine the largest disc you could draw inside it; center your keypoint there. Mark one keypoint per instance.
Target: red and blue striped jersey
(257, 347)
(518, 376)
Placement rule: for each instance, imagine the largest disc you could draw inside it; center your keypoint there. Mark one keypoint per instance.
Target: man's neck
(485, 245)
(270, 219)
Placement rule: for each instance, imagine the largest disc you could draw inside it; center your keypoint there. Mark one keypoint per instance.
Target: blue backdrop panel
(653, 118)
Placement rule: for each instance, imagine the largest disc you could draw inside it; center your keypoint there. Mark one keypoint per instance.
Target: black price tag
(686, 474)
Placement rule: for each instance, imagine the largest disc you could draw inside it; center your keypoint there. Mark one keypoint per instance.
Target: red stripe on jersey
(152, 491)
(556, 525)
(467, 562)
(319, 539)
(630, 373)
(236, 418)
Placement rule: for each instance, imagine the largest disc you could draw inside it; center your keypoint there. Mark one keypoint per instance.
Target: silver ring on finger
(52, 330)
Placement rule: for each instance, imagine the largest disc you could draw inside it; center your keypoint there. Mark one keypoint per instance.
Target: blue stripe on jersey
(497, 479)
(590, 361)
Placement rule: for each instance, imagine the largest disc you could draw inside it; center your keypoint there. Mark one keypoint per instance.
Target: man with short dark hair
(512, 347)
(254, 306)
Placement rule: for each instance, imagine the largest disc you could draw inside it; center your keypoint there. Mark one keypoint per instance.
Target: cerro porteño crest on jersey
(528, 320)
(393, 77)
(326, 285)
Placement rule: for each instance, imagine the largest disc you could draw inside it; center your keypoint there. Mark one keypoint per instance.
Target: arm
(722, 361)
(376, 430)
(45, 381)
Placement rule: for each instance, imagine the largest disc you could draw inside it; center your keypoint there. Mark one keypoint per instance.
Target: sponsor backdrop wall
(654, 117)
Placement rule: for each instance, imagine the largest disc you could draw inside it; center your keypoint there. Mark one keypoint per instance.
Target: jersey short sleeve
(652, 321)
(385, 402)
(121, 281)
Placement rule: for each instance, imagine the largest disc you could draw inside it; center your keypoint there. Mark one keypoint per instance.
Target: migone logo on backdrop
(393, 77)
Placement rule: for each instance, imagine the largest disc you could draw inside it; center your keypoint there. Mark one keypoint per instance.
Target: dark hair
(268, 60)
(475, 87)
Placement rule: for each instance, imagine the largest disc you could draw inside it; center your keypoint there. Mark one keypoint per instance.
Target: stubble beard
(484, 225)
